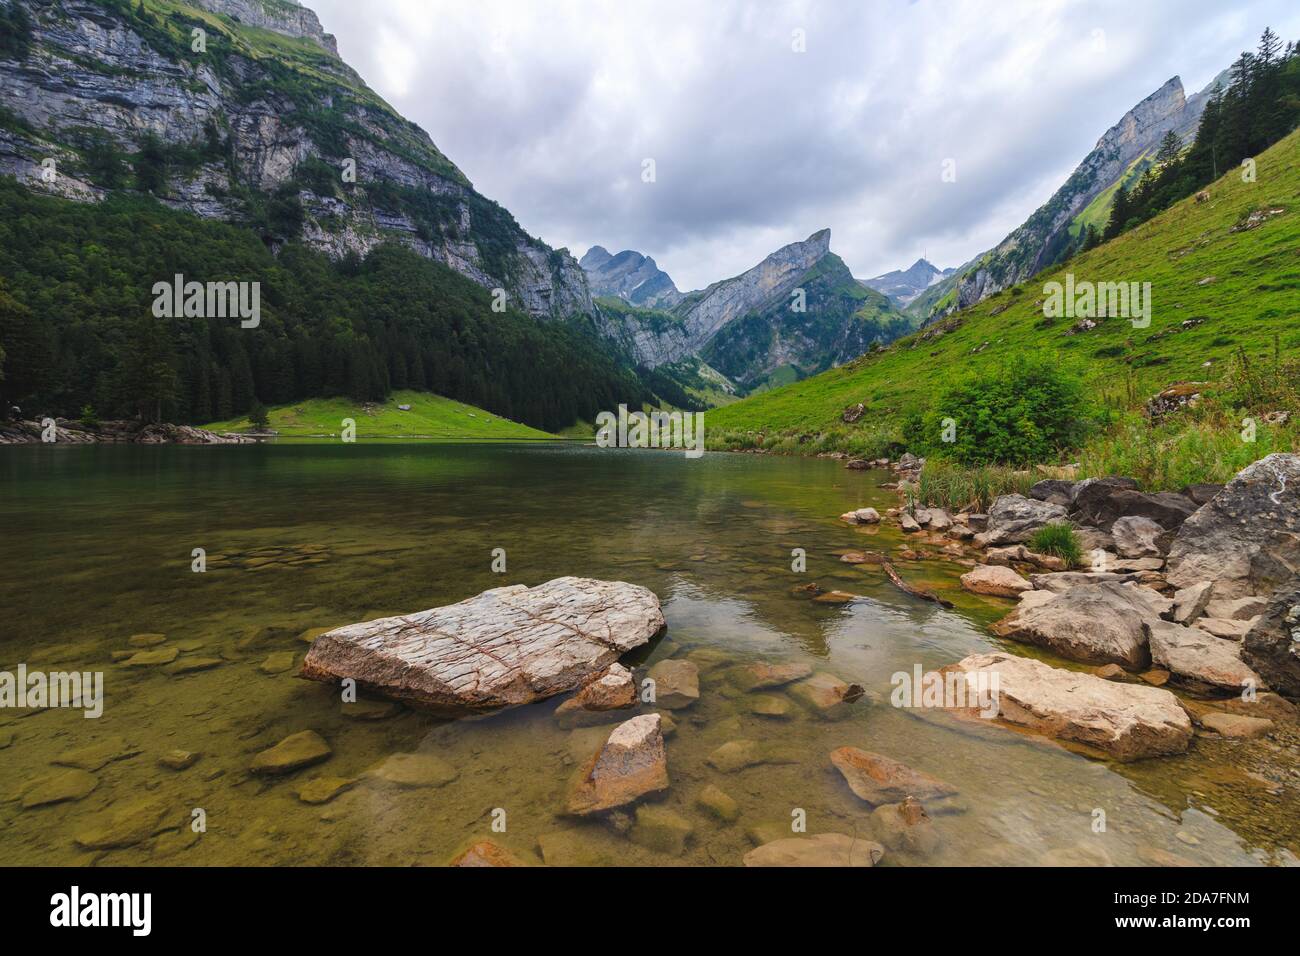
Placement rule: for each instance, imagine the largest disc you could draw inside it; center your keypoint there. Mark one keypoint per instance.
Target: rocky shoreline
(1197, 590)
(70, 432)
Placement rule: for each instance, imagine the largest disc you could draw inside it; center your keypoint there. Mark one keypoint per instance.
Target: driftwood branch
(915, 592)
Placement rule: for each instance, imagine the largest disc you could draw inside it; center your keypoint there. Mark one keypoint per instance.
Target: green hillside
(1224, 274)
(429, 416)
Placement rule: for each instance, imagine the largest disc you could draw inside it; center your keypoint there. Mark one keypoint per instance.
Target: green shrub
(1060, 540)
(1030, 409)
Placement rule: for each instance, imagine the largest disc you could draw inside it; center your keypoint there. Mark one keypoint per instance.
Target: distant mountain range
(797, 312)
(904, 285)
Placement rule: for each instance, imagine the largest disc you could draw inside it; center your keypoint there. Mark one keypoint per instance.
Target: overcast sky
(551, 109)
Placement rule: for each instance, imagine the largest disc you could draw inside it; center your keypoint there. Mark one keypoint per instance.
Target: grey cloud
(550, 109)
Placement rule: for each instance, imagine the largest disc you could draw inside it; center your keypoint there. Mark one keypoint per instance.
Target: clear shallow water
(95, 546)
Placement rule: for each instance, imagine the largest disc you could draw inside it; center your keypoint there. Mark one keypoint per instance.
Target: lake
(96, 545)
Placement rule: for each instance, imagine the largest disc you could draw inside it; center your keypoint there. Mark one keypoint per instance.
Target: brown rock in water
(827, 695)
(878, 779)
(323, 789)
(123, 826)
(412, 770)
(676, 684)
(763, 676)
(507, 646)
(824, 849)
(178, 759)
(59, 788)
(486, 853)
(1193, 656)
(835, 597)
(905, 827)
(1099, 623)
(153, 658)
(97, 755)
(630, 764)
(597, 702)
(1127, 721)
(293, 753)
(994, 580)
(1235, 725)
(146, 640)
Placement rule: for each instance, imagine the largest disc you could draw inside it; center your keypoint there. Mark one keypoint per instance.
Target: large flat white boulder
(507, 646)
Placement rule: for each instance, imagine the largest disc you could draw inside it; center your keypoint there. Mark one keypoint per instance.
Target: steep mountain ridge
(262, 118)
(1046, 235)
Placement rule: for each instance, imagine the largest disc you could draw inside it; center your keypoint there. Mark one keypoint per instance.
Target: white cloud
(551, 108)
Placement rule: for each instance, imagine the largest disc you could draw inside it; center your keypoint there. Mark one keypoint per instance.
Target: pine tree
(1119, 213)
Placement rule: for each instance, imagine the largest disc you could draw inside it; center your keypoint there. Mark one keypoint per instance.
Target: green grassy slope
(430, 416)
(1240, 287)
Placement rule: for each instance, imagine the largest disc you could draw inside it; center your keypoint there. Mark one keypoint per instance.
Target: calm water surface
(95, 547)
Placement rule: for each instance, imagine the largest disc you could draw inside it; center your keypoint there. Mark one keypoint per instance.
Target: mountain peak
(630, 276)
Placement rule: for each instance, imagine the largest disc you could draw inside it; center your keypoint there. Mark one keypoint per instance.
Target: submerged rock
(878, 779)
(1236, 725)
(827, 695)
(97, 755)
(178, 759)
(661, 829)
(294, 752)
(507, 646)
(630, 764)
(824, 849)
(905, 827)
(1127, 721)
(413, 770)
(738, 754)
(152, 658)
(763, 676)
(486, 853)
(677, 684)
(323, 789)
(59, 788)
(717, 804)
(122, 826)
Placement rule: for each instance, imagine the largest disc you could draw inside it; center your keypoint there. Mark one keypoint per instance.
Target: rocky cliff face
(245, 121)
(279, 16)
(1044, 237)
(629, 276)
